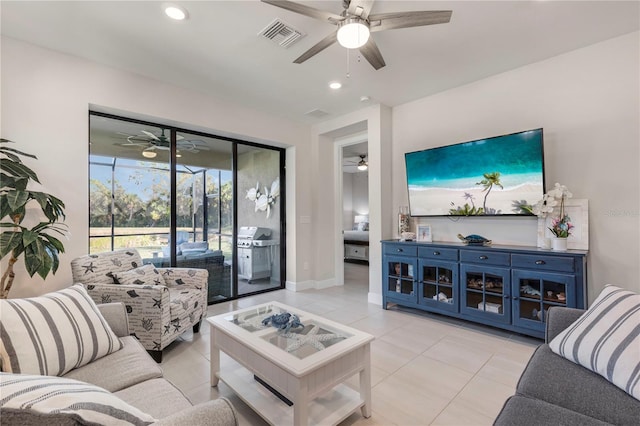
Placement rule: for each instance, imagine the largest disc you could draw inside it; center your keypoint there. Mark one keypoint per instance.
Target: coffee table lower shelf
(328, 409)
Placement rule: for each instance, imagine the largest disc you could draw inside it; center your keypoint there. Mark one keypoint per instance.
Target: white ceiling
(217, 50)
(351, 157)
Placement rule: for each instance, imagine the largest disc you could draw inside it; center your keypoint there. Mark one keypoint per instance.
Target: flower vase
(559, 244)
(543, 242)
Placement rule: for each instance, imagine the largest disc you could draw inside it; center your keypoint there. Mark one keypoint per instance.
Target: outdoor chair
(161, 303)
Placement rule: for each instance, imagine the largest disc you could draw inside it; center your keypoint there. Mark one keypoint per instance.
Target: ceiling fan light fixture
(362, 165)
(353, 33)
(149, 154)
(175, 12)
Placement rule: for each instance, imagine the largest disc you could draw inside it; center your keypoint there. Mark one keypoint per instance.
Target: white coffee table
(306, 365)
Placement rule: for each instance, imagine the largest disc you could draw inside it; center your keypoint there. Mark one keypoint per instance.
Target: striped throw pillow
(54, 333)
(58, 398)
(606, 339)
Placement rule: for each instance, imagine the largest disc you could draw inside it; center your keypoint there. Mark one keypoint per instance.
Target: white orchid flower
(551, 200)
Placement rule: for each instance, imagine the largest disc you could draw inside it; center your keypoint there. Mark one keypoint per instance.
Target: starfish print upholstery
(147, 293)
(89, 268)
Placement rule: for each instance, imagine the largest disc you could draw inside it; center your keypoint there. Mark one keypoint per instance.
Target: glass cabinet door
(536, 292)
(400, 277)
(486, 292)
(438, 284)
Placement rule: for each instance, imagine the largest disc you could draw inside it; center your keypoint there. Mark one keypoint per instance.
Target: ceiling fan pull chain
(348, 70)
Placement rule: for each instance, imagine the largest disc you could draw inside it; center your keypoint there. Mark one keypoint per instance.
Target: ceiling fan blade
(191, 145)
(360, 8)
(390, 21)
(133, 144)
(372, 54)
(318, 47)
(306, 10)
(151, 135)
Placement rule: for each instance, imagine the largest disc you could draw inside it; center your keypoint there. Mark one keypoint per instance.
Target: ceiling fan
(150, 142)
(355, 23)
(362, 165)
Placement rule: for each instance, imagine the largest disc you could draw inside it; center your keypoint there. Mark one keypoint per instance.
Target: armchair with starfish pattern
(161, 303)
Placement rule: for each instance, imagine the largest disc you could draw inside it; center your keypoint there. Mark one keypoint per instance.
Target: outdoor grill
(254, 252)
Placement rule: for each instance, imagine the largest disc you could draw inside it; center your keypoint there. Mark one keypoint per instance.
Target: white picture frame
(578, 211)
(423, 233)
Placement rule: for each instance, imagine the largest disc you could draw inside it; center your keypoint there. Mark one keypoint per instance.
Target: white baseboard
(375, 298)
(300, 285)
(310, 284)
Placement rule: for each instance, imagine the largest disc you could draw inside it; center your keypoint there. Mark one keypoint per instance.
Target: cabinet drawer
(485, 257)
(438, 253)
(356, 252)
(543, 262)
(401, 250)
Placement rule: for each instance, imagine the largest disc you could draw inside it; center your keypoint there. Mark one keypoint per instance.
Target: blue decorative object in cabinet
(509, 287)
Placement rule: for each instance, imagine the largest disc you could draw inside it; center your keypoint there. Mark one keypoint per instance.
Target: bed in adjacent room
(356, 246)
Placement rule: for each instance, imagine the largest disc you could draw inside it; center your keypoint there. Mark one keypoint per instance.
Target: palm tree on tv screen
(490, 179)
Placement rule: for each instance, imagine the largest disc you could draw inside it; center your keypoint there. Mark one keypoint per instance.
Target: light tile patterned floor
(426, 369)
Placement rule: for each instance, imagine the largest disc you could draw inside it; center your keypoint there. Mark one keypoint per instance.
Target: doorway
(354, 178)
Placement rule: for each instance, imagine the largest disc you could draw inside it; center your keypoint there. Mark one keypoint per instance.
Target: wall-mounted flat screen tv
(502, 175)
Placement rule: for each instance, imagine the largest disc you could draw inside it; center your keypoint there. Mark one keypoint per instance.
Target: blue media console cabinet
(509, 287)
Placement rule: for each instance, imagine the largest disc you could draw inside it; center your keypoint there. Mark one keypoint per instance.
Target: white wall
(587, 101)
(45, 102)
(347, 201)
(360, 195)
(355, 197)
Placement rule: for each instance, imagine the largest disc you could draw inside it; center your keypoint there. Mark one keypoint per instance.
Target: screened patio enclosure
(151, 185)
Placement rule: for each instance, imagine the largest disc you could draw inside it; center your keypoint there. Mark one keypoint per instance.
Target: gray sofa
(555, 391)
(134, 377)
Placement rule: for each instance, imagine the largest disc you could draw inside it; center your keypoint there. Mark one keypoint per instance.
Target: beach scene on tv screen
(494, 176)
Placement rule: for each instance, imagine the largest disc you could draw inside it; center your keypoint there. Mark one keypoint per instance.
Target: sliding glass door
(188, 199)
(259, 219)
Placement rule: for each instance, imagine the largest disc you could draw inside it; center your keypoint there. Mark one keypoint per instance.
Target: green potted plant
(36, 244)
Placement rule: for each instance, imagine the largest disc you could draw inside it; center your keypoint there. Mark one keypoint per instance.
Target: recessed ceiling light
(335, 85)
(175, 12)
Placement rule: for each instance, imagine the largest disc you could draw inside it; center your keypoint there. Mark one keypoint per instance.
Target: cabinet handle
(400, 250)
(515, 297)
(436, 253)
(483, 257)
(540, 262)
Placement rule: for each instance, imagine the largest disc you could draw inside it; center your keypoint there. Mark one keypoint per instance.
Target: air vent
(316, 113)
(281, 33)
